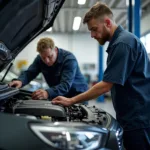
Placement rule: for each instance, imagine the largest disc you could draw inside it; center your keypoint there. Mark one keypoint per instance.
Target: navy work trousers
(137, 139)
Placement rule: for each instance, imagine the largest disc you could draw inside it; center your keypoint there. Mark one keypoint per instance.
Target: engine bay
(19, 103)
(23, 104)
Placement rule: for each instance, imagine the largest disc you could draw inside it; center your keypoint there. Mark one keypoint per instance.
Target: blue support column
(130, 16)
(137, 18)
(100, 77)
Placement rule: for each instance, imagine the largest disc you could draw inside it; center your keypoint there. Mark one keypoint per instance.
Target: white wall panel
(82, 45)
(145, 27)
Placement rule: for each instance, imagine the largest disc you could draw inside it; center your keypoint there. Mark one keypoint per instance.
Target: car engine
(20, 103)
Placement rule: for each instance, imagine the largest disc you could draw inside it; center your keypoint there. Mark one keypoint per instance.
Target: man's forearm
(97, 90)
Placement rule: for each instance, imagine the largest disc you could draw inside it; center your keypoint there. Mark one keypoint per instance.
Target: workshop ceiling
(71, 9)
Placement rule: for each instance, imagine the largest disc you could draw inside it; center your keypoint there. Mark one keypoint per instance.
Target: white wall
(145, 27)
(81, 45)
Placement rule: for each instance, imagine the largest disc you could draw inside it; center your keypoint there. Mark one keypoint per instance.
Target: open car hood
(21, 21)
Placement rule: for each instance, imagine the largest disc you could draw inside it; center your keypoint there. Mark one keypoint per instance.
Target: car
(32, 86)
(38, 124)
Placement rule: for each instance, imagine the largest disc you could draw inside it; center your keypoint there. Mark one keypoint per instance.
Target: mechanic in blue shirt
(59, 68)
(127, 76)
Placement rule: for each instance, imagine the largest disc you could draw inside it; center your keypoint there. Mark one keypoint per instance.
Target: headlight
(119, 137)
(69, 137)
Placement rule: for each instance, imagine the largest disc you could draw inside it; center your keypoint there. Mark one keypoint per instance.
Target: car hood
(21, 21)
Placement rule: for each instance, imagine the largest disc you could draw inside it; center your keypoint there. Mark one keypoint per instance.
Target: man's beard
(101, 41)
(104, 38)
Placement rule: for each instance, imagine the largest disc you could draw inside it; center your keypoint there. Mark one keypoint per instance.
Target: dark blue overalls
(64, 77)
(128, 67)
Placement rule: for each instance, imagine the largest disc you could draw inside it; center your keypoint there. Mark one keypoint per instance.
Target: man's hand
(62, 100)
(40, 94)
(15, 83)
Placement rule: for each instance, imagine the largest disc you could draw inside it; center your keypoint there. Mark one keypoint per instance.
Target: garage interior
(77, 126)
(74, 40)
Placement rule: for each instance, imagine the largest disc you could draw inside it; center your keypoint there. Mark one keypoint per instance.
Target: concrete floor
(106, 105)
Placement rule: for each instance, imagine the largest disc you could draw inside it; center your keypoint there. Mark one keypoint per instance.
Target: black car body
(29, 124)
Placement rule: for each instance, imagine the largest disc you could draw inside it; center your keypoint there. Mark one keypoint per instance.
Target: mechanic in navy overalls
(127, 76)
(59, 68)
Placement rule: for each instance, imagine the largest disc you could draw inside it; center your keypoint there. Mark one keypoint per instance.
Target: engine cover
(38, 108)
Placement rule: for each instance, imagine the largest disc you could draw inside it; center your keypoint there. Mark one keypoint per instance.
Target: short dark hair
(98, 10)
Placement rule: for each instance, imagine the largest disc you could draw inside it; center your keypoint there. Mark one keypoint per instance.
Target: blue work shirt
(128, 68)
(64, 77)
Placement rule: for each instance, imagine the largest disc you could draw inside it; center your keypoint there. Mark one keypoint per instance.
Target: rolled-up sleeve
(66, 80)
(120, 64)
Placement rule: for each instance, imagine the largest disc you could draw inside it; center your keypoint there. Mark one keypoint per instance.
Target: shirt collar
(59, 56)
(115, 36)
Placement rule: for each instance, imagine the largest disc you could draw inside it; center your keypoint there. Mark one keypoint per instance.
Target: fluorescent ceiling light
(76, 23)
(132, 2)
(127, 2)
(81, 2)
(49, 30)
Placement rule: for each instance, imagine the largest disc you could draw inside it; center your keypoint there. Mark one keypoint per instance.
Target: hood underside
(21, 21)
